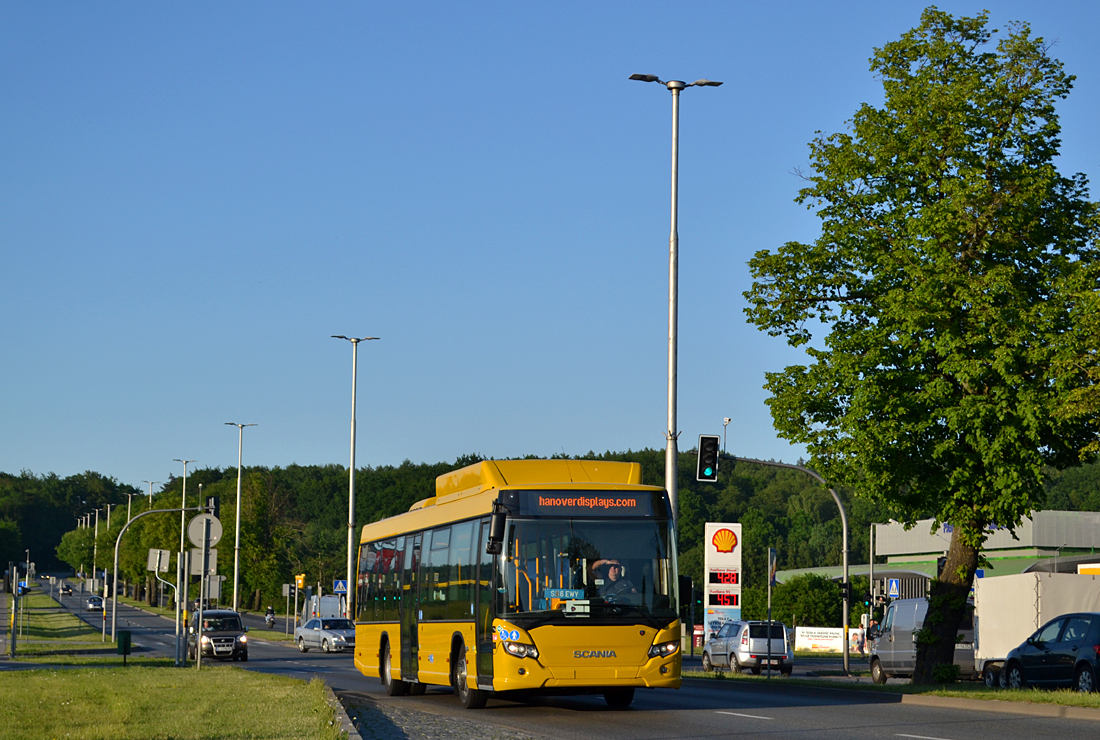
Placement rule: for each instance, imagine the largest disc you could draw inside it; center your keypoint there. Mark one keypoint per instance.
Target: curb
(346, 725)
(1030, 709)
(1025, 708)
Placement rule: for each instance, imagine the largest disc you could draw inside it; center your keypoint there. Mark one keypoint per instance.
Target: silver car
(743, 646)
(331, 634)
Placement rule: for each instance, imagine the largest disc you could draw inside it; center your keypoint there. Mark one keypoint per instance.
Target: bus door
(483, 625)
(410, 609)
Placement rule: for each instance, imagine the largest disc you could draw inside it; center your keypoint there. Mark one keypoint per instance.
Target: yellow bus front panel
(586, 656)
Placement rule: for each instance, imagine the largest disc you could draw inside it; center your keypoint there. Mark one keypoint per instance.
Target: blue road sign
(339, 587)
(893, 588)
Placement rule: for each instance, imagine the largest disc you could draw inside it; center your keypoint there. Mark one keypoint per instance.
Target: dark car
(65, 590)
(221, 635)
(1063, 652)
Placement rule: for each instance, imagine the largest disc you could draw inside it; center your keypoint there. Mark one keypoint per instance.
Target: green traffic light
(708, 471)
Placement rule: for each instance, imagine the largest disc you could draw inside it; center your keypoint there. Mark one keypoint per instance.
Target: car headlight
(204, 639)
(664, 649)
(242, 638)
(521, 649)
(338, 638)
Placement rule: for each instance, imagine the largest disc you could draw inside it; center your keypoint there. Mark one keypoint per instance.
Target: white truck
(1008, 609)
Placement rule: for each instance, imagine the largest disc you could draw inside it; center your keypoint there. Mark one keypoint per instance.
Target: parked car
(221, 635)
(893, 647)
(1063, 652)
(331, 635)
(743, 646)
(94, 604)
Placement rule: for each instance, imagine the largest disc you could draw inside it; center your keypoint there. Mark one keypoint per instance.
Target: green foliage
(11, 542)
(953, 267)
(945, 673)
(808, 600)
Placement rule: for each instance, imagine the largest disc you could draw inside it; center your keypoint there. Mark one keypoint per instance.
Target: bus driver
(614, 584)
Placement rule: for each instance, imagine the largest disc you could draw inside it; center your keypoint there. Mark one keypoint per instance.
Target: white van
(893, 649)
(332, 605)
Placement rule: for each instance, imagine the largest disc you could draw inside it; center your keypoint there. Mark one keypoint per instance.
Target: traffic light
(707, 469)
(867, 600)
(846, 591)
(214, 504)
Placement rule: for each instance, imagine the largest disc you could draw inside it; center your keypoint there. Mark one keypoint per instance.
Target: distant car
(331, 635)
(94, 604)
(66, 590)
(1063, 652)
(743, 646)
(221, 636)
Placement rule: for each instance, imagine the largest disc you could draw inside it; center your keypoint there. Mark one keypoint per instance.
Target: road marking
(920, 737)
(750, 716)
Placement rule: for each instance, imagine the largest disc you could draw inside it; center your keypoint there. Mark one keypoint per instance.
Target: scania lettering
(491, 584)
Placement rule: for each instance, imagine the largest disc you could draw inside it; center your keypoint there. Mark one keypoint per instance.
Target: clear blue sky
(195, 196)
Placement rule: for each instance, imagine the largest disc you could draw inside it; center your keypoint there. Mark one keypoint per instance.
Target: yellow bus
(547, 576)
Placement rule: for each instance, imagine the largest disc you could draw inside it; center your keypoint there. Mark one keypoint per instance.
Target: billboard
(722, 576)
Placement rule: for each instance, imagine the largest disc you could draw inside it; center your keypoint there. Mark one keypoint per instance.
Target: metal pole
(351, 471)
(237, 543)
(203, 589)
(671, 456)
(844, 533)
(150, 482)
(725, 423)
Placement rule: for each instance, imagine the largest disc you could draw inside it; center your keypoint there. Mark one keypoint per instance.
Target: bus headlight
(521, 650)
(664, 649)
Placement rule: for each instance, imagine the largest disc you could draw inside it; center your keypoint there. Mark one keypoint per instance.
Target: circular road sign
(195, 527)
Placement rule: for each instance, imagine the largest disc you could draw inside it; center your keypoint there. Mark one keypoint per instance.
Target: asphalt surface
(701, 709)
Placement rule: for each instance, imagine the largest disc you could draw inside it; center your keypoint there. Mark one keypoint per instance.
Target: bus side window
(437, 570)
(460, 595)
(364, 599)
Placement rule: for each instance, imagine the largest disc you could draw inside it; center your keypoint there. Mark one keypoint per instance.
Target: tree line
(294, 518)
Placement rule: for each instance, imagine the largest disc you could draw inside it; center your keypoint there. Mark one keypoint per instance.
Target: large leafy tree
(950, 282)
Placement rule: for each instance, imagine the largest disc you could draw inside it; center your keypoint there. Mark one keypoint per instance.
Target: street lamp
(351, 471)
(150, 482)
(671, 462)
(237, 545)
(725, 423)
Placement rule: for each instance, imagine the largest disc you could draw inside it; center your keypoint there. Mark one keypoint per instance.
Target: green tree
(952, 268)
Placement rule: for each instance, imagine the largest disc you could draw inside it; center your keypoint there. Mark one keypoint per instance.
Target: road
(701, 709)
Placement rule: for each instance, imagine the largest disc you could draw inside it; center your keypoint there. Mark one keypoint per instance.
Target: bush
(945, 673)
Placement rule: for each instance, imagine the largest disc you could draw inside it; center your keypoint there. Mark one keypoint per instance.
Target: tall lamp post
(150, 482)
(237, 544)
(843, 531)
(351, 471)
(671, 461)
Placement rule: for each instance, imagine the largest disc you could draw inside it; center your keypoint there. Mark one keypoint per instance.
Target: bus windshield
(602, 569)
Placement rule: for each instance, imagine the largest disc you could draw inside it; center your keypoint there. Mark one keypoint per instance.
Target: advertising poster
(722, 570)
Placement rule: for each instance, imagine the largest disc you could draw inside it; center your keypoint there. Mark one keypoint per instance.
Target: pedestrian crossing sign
(893, 588)
(339, 587)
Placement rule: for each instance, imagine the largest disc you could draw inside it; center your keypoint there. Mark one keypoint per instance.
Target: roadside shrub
(945, 673)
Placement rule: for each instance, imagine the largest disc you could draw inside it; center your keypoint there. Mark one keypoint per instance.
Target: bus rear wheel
(470, 698)
(619, 698)
(393, 686)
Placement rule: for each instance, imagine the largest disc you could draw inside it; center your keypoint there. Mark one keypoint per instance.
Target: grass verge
(45, 619)
(145, 703)
(961, 690)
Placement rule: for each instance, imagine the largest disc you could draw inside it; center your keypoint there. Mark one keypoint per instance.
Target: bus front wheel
(470, 698)
(619, 698)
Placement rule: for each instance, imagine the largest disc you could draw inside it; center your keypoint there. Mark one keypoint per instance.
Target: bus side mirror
(495, 543)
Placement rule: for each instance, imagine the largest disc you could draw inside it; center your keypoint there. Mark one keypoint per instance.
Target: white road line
(750, 716)
(920, 737)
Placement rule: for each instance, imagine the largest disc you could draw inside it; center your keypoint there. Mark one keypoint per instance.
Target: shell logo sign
(724, 540)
